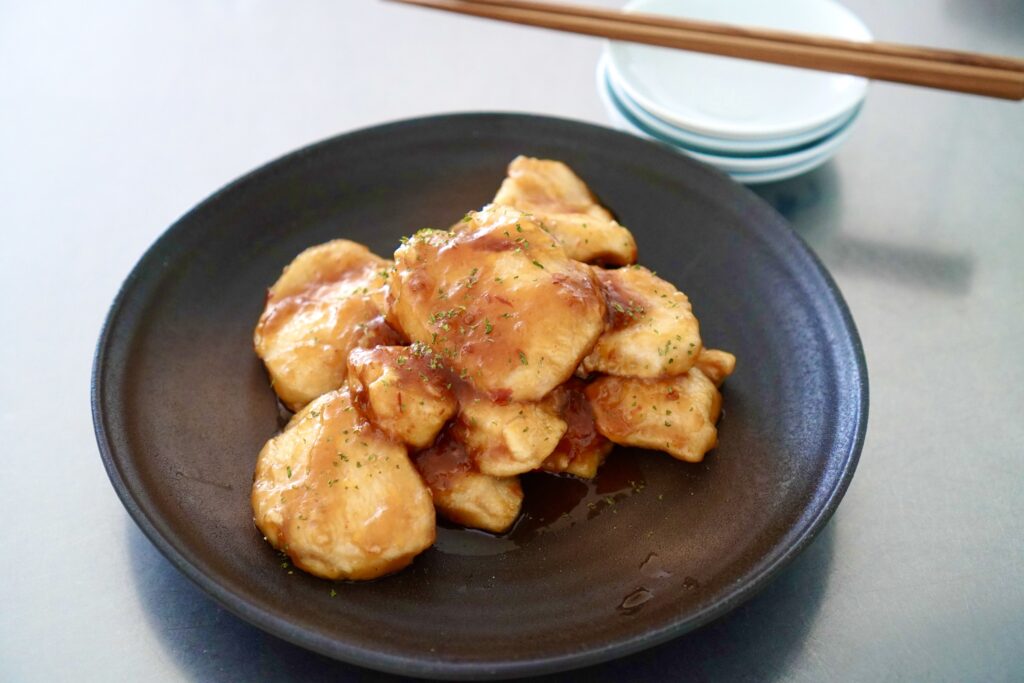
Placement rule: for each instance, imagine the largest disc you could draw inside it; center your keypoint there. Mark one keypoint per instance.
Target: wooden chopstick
(967, 58)
(977, 74)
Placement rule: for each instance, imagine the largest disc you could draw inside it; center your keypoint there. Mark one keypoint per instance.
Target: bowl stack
(757, 122)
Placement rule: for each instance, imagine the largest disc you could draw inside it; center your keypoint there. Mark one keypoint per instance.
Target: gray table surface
(117, 118)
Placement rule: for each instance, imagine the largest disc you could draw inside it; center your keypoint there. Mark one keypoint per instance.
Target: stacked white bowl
(757, 122)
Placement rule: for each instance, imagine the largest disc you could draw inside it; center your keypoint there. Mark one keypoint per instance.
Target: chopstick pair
(965, 72)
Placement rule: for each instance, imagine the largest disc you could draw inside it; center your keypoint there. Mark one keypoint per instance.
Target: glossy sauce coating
(461, 493)
(403, 391)
(339, 496)
(500, 302)
(329, 300)
(582, 449)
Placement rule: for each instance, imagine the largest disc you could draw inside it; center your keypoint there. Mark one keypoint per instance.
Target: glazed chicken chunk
(329, 300)
(500, 301)
(566, 208)
(582, 448)
(464, 495)
(651, 330)
(511, 438)
(402, 392)
(672, 414)
(716, 365)
(338, 496)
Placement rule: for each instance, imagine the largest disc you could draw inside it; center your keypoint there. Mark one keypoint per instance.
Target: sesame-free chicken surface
(328, 301)
(504, 346)
(565, 206)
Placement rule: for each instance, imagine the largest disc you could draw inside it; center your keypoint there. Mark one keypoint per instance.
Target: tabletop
(118, 117)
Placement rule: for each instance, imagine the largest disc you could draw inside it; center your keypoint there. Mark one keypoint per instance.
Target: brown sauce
(552, 502)
(445, 459)
(623, 305)
(581, 439)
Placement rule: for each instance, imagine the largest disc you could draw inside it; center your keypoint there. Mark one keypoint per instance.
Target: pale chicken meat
(651, 330)
(716, 364)
(340, 497)
(464, 495)
(500, 301)
(329, 300)
(582, 449)
(565, 207)
(511, 438)
(402, 391)
(676, 415)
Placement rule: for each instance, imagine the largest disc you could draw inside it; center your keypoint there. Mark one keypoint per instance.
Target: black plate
(182, 406)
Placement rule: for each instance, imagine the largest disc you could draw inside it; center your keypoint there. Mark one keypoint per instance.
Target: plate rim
(422, 667)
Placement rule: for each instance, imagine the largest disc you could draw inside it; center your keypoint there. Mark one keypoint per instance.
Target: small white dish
(712, 145)
(726, 162)
(733, 98)
(764, 173)
(780, 174)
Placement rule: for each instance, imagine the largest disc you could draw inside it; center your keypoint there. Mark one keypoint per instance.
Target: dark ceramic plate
(650, 551)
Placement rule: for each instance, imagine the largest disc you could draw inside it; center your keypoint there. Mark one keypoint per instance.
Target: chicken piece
(582, 449)
(508, 439)
(403, 391)
(673, 414)
(338, 496)
(329, 300)
(462, 494)
(716, 365)
(499, 301)
(567, 209)
(651, 330)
